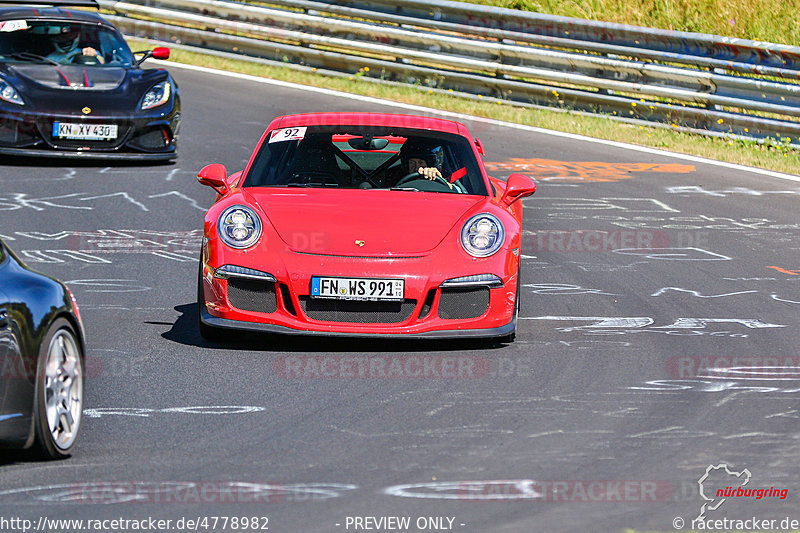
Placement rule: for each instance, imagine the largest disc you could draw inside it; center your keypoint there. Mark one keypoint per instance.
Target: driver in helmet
(424, 157)
(65, 46)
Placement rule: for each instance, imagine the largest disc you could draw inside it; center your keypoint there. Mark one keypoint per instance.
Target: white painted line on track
(461, 116)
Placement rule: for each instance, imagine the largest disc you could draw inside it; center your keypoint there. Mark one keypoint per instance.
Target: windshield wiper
(404, 189)
(309, 185)
(33, 57)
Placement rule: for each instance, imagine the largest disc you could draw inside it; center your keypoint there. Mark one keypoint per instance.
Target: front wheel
(58, 407)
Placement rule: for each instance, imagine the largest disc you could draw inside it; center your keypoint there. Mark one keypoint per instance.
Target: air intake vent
(457, 303)
(252, 295)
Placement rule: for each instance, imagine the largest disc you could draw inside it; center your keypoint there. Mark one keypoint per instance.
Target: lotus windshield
(353, 157)
(63, 43)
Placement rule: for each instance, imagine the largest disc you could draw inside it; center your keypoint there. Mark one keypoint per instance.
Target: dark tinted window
(365, 158)
(63, 42)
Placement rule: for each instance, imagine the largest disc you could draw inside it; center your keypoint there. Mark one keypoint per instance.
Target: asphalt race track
(658, 337)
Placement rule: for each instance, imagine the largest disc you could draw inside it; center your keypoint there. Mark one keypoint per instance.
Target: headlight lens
(9, 93)
(239, 227)
(157, 95)
(482, 235)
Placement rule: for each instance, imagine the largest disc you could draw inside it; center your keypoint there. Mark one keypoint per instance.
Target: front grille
(155, 138)
(14, 132)
(252, 295)
(463, 303)
(357, 312)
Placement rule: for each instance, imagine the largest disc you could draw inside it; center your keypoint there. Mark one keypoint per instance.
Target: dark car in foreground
(71, 87)
(41, 361)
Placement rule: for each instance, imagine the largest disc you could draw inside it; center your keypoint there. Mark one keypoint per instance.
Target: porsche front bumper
(432, 308)
(225, 323)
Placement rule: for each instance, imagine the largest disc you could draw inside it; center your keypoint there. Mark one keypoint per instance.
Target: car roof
(369, 119)
(49, 13)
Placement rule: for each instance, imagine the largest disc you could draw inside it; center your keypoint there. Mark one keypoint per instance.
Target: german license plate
(357, 288)
(85, 132)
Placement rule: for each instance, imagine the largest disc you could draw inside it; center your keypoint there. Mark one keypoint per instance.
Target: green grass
(762, 20)
(777, 158)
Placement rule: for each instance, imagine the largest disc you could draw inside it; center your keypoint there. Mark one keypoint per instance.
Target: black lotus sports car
(71, 87)
(41, 361)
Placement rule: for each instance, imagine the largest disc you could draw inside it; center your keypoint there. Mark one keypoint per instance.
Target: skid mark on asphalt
(692, 190)
(17, 201)
(84, 246)
(665, 290)
(197, 492)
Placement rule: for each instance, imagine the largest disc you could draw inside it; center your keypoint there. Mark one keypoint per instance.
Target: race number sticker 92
(287, 134)
(13, 25)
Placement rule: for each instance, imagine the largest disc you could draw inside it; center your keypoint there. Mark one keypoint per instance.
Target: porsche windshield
(367, 158)
(59, 42)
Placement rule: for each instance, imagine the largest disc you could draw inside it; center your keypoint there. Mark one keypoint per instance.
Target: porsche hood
(352, 223)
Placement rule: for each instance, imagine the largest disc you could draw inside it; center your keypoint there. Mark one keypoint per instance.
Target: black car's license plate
(85, 132)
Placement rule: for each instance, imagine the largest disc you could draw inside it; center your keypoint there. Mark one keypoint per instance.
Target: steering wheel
(85, 60)
(417, 176)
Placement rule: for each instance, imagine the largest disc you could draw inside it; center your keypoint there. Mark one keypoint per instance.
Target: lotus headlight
(239, 227)
(9, 93)
(157, 95)
(482, 235)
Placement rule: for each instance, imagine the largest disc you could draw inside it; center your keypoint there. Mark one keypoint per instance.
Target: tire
(58, 406)
(209, 333)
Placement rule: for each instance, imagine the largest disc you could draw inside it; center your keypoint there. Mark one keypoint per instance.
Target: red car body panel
(409, 235)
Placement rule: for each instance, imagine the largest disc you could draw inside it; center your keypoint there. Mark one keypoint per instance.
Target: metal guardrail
(670, 78)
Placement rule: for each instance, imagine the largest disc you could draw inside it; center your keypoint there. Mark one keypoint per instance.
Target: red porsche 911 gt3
(362, 224)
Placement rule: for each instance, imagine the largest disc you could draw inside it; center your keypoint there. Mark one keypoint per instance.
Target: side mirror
(161, 52)
(215, 176)
(517, 187)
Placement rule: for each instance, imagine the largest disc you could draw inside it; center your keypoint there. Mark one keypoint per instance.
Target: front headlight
(482, 235)
(157, 95)
(9, 93)
(239, 227)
